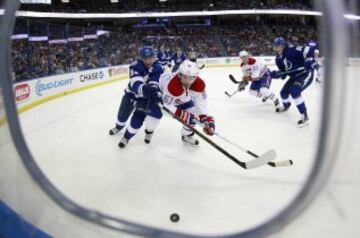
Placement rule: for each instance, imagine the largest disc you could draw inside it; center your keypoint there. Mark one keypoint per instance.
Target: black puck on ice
(174, 217)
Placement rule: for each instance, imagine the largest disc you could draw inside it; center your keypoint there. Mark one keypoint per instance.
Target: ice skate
(148, 136)
(190, 140)
(304, 121)
(123, 142)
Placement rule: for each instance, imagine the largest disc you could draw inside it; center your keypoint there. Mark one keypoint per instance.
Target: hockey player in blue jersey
(163, 57)
(177, 59)
(144, 76)
(298, 63)
(148, 97)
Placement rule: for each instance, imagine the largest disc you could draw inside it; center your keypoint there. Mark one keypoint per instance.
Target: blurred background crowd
(41, 49)
(59, 46)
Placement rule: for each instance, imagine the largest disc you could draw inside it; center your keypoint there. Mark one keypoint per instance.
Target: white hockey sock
(268, 94)
(151, 123)
(254, 93)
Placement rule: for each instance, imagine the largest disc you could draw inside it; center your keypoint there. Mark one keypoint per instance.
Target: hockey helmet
(279, 41)
(188, 71)
(146, 52)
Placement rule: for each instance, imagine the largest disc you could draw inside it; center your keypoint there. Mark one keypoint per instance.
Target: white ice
(146, 183)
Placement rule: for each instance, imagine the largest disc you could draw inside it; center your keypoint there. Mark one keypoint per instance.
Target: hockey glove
(277, 74)
(152, 92)
(185, 116)
(274, 74)
(242, 85)
(209, 124)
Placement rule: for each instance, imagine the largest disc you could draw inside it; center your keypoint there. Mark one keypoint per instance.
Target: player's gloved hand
(185, 116)
(277, 74)
(274, 74)
(310, 64)
(152, 92)
(209, 124)
(246, 78)
(242, 85)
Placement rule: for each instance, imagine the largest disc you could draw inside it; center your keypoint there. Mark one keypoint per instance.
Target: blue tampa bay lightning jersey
(163, 57)
(139, 74)
(178, 59)
(293, 57)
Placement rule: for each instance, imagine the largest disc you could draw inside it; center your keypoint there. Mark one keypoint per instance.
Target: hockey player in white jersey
(256, 72)
(318, 72)
(184, 94)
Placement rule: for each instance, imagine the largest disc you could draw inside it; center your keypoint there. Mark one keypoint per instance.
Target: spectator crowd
(58, 52)
(83, 6)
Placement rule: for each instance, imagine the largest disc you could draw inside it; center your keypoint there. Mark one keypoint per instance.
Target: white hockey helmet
(244, 56)
(243, 53)
(188, 71)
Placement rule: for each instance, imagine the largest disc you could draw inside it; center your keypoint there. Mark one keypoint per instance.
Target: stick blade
(261, 160)
(227, 94)
(232, 78)
(285, 163)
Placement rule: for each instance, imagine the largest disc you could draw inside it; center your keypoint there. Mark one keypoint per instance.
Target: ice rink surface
(146, 183)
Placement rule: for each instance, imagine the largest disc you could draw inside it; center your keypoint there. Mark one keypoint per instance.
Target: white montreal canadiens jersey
(254, 68)
(176, 95)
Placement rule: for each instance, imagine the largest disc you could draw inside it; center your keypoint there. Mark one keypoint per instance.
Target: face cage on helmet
(244, 59)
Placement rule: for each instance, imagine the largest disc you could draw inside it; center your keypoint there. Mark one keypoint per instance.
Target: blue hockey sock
(135, 124)
(302, 108)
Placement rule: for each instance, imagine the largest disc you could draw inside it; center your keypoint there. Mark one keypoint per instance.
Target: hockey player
(319, 71)
(256, 72)
(163, 57)
(289, 58)
(144, 73)
(177, 59)
(193, 57)
(184, 93)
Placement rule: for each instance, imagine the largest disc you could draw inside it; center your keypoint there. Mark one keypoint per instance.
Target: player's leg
(301, 83)
(187, 135)
(266, 93)
(300, 104)
(254, 89)
(136, 121)
(285, 97)
(152, 120)
(125, 109)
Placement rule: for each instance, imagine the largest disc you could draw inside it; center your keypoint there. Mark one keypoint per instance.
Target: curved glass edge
(318, 177)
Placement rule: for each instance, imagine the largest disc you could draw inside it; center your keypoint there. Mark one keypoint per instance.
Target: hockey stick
(284, 163)
(257, 162)
(232, 94)
(232, 78)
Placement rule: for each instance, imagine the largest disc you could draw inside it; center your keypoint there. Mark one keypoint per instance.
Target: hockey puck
(174, 217)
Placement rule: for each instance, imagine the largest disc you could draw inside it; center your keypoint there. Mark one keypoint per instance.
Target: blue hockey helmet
(147, 51)
(279, 41)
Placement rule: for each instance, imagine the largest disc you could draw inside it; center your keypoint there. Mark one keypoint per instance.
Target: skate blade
(190, 144)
